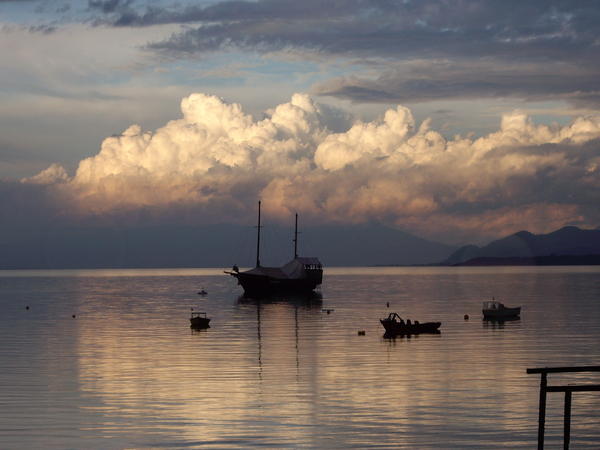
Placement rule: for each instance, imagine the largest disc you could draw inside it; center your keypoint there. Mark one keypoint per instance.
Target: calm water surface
(127, 371)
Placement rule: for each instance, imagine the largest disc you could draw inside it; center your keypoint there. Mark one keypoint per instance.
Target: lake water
(128, 372)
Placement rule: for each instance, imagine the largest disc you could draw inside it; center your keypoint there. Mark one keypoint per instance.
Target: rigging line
(258, 238)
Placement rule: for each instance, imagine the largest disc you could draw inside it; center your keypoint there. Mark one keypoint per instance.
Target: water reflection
(279, 305)
(499, 323)
(394, 336)
(308, 300)
(279, 372)
(198, 331)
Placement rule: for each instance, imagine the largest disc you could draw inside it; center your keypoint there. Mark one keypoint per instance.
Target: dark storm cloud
(426, 28)
(117, 10)
(464, 49)
(109, 6)
(431, 80)
(228, 11)
(43, 29)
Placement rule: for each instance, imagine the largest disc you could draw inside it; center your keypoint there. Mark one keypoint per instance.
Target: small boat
(493, 310)
(394, 325)
(198, 320)
(202, 292)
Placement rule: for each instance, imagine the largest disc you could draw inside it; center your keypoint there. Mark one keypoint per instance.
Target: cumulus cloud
(213, 163)
(54, 174)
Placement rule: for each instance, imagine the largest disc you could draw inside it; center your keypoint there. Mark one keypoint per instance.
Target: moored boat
(493, 310)
(300, 276)
(395, 325)
(198, 320)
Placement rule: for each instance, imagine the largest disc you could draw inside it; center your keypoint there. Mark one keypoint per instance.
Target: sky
(458, 121)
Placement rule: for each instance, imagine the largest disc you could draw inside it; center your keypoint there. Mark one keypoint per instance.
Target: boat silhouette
(301, 275)
(395, 325)
(493, 310)
(199, 320)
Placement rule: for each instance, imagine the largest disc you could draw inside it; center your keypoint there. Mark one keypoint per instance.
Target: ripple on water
(129, 372)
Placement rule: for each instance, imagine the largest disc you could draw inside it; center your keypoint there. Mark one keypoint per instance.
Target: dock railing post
(542, 411)
(567, 420)
(568, 390)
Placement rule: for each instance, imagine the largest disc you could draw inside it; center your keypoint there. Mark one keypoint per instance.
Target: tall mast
(296, 238)
(258, 239)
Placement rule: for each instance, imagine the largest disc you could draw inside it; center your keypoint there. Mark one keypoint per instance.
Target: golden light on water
(128, 370)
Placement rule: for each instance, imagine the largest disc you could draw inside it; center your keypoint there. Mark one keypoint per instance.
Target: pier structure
(568, 391)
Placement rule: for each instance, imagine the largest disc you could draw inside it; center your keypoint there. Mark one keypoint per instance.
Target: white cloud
(219, 160)
(366, 140)
(54, 174)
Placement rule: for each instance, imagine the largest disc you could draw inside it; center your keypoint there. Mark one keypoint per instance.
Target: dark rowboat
(198, 320)
(394, 325)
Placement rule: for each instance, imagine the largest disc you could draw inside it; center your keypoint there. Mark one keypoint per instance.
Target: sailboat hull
(260, 285)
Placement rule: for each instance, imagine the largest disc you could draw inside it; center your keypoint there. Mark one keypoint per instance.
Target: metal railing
(568, 390)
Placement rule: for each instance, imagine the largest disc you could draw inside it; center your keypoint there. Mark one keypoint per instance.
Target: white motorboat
(497, 311)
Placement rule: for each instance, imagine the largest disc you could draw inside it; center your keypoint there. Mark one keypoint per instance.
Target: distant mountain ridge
(567, 241)
(371, 244)
(178, 246)
(551, 260)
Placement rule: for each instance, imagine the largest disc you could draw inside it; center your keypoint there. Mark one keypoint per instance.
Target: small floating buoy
(27, 307)
(73, 316)
(466, 317)
(361, 332)
(388, 304)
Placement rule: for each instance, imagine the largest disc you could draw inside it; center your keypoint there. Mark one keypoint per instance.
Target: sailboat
(299, 276)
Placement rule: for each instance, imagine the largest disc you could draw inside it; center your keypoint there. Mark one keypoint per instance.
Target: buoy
(388, 304)
(361, 332)
(466, 317)
(73, 316)
(27, 307)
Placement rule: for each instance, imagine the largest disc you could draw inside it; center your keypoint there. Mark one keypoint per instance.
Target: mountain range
(224, 245)
(568, 245)
(212, 246)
